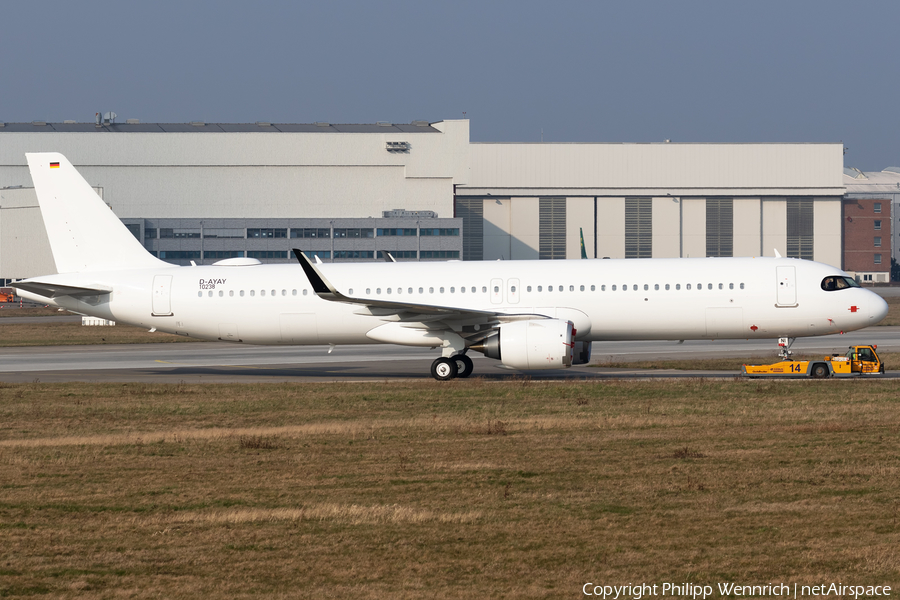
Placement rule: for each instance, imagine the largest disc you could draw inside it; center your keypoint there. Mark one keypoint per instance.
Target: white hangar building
(423, 191)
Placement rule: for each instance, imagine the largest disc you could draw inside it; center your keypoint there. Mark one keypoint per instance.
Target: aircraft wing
(403, 311)
(55, 290)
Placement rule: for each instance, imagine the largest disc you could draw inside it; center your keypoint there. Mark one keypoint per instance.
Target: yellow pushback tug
(859, 360)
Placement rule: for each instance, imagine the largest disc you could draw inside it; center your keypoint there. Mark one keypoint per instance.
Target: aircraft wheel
(819, 371)
(464, 365)
(444, 369)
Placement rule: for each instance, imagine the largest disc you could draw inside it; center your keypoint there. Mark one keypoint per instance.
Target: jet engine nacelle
(536, 344)
(581, 353)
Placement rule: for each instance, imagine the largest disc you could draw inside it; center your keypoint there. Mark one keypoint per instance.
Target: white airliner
(527, 314)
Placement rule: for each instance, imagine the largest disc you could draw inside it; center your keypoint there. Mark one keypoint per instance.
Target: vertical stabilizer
(85, 235)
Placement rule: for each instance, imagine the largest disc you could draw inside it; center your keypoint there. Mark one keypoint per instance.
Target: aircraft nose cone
(878, 310)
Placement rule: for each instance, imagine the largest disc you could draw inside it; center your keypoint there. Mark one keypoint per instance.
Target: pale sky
(625, 71)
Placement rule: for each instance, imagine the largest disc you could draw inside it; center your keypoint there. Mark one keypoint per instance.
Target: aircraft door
(496, 291)
(787, 286)
(162, 296)
(512, 291)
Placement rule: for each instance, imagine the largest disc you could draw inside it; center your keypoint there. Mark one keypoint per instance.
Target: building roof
(872, 182)
(201, 127)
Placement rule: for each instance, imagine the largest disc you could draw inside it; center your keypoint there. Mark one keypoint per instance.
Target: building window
(355, 232)
(393, 232)
(800, 228)
(224, 233)
(354, 254)
(267, 253)
(877, 259)
(219, 254)
(877, 224)
(876, 207)
(149, 234)
(552, 228)
(438, 231)
(440, 254)
(719, 227)
(878, 241)
(266, 233)
(319, 253)
(397, 254)
(638, 227)
(311, 232)
(471, 210)
(171, 233)
(180, 254)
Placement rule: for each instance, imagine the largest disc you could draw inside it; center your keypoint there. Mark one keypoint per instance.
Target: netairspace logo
(697, 591)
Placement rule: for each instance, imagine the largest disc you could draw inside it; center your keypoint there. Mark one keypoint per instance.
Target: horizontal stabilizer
(55, 290)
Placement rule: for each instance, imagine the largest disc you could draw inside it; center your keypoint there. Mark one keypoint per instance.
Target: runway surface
(221, 362)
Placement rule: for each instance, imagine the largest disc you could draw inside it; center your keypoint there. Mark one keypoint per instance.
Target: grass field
(68, 334)
(464, 489)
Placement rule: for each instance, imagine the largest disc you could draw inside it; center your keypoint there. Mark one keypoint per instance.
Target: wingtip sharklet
(319, 284)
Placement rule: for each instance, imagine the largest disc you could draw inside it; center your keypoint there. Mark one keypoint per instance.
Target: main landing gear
(445, 368)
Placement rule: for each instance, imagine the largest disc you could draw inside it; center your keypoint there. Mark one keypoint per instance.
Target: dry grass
(893, 316)
(12, 310)
(465, 489)
(67, 334)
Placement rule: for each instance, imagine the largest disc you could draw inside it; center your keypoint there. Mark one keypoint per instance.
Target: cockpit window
(838, 282)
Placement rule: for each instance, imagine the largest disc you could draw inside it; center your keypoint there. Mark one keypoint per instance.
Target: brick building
(867, 238)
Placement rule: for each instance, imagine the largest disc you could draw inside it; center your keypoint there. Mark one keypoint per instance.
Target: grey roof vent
(198, 124)
(322, 124)
(133, 121)
(421, 123)
(263, 124)
(39, 123)
(69, 122)
(382, 123)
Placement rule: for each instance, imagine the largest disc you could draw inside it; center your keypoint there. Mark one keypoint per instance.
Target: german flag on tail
(54, 165)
